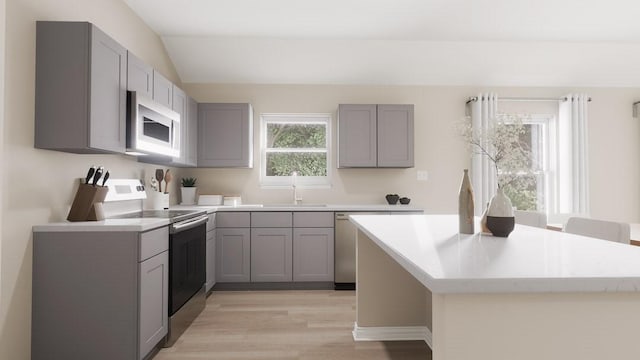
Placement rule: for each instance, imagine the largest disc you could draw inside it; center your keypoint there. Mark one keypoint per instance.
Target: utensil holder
(156, 201)
(87, 204)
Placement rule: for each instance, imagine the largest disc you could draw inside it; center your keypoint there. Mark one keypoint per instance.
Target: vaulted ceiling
(403, 42)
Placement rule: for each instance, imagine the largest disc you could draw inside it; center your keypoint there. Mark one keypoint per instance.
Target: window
(534, 189)
(295, 143)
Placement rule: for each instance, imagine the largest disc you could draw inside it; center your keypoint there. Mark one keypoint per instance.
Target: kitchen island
(537, 294)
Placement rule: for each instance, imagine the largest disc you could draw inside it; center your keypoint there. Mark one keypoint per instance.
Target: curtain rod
(475, 98)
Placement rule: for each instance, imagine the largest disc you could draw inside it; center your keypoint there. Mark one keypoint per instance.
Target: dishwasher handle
(342, 216)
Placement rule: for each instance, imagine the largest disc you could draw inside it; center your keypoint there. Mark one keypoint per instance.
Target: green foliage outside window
(298, 138)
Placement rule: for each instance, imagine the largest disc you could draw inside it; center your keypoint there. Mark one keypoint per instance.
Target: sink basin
(294, 205)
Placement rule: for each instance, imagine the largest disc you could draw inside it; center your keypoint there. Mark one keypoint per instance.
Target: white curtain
(573, 156)
(483, 174)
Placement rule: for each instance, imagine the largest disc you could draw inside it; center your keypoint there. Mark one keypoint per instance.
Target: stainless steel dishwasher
(345, 250)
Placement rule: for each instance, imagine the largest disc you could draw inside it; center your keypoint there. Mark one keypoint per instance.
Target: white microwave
(152, 129)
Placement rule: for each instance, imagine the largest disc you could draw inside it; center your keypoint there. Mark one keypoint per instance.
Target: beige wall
(613, 136)
(37, 185)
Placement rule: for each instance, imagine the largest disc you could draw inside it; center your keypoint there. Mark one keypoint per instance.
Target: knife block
(87, 204)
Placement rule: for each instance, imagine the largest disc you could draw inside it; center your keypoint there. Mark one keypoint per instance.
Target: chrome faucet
(296, 199)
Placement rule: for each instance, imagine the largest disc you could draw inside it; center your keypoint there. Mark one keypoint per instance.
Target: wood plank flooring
(298, 324)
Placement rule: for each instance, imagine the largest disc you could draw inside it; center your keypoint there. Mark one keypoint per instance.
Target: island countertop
(530, 260)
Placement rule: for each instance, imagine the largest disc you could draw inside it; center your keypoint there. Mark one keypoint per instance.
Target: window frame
(547, 175)
(302, 182)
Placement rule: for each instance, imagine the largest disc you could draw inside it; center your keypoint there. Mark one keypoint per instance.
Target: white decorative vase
(188, 195)
(500, 219)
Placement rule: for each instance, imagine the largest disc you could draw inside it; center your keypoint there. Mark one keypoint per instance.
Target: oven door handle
(188, 224)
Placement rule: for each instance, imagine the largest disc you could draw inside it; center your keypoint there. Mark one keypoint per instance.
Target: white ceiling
(408, 42)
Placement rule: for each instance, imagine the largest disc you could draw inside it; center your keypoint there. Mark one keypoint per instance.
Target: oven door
(187, 264)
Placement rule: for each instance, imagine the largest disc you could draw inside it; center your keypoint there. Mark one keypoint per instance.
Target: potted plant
(188, 191)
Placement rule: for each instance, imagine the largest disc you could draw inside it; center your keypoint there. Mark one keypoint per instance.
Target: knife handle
(97, 176)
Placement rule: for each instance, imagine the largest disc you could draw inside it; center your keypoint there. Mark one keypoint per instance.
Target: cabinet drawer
(313, 219)
(154, 242)
(233, 219)
(211, 223)
(271, 219)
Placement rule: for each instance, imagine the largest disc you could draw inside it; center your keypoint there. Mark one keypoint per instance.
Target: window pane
(306, 164)
(532, 140)
(526, 192)
(296, 136)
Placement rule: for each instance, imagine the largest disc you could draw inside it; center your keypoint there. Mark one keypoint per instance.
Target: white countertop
(529, 260)
(138, 225)
(301, 207)
(146, 224)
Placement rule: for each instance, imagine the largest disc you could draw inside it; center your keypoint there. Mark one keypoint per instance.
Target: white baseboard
(392, 333)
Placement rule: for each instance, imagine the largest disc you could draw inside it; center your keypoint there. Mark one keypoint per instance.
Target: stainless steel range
(187, 264)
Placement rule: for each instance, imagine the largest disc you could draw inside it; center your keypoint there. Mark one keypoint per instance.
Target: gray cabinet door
(80, 97)
(179, 105)
(271, 255)
(225, 135)
(192, 132)
(357, 142)
(153, 301)
(233, 255)
(162, 89)
(313, 254)
(108, 93)
(395, 136)
(211, 260)
(139, 76)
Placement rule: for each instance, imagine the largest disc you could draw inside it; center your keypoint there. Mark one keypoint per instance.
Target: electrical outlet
(423, 175)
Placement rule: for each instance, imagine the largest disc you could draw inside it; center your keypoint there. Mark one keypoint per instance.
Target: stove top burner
(173, 215)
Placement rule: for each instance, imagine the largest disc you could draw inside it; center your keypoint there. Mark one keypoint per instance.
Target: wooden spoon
(159, 177)
(167, 178)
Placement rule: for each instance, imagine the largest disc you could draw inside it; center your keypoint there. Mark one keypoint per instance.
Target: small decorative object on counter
(392, 199)
(87, 203)
(500, 219)
(159, 177)
(483, 221)
(466, 205)
(405, 200)
(168, 176)
(188, 191)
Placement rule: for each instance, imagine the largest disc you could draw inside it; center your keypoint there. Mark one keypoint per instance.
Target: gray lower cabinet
(81, 82)
(313, 254)
(139, 76)
(225, 135)
(211, 253)
(313, 244)
(271, 255)
(99, 295)
(233, 247)
(233, 255)
(372, 135)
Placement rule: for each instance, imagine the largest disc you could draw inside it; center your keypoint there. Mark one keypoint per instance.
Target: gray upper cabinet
(162, 89)
(80, 89)
(179, 105)
(139, 76)
(375, 136)
(191, 146)
(225, 135)
(395, 136)
(357, 144)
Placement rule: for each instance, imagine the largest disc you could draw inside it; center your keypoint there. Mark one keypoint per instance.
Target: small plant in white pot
(188, 191)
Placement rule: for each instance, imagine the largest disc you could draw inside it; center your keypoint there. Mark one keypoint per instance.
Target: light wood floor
(283, 325)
